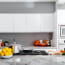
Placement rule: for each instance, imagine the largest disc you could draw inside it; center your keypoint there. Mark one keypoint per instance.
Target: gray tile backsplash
(26, 39)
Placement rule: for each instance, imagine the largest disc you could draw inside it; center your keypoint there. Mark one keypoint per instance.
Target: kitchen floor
(34, 60)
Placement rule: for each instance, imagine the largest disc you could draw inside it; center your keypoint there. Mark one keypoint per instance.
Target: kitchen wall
(60, 21)
(26, 39)
(27, 7)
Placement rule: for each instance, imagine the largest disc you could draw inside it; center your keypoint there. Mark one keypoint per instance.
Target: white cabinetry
(47, 21)
(6, 23)
(61, 1)
(26, 23)
(20, 23)
(33, 22)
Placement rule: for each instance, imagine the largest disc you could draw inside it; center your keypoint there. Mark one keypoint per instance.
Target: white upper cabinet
(61, 17)
(6, 23)
(20, 23)
(47, 21)
(61, 1)
(27, 22)
(33, 22)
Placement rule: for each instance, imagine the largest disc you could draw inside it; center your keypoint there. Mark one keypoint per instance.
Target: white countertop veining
(34, 60)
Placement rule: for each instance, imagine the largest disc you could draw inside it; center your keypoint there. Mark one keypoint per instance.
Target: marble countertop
(34, 60)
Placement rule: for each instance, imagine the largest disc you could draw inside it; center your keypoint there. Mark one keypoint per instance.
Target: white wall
(60, 21)
(55, 31)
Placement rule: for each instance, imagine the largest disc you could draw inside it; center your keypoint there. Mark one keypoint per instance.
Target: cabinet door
(20, 22)
(46, 22)
(61, 17)
(6, 23)
(33, 22)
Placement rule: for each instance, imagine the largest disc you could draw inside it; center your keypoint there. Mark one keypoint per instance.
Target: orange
(43, 44)
(36, 44)
(37, 41)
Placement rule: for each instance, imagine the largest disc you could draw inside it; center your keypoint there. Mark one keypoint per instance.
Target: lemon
(4, 51)
(12, 50)
(6, 54)
(2, 54)
(6, 48)
(10, 53)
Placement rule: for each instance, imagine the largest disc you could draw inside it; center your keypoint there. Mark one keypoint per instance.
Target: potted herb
(6, 43)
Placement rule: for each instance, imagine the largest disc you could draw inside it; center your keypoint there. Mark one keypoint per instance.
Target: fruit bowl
(5, 57)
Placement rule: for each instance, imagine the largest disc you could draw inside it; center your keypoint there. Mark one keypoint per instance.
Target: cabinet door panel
(20, 22)
(33, 22)
(46, 22)
(6, 23)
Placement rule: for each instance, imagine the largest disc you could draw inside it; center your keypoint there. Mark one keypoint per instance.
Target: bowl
(5, 57)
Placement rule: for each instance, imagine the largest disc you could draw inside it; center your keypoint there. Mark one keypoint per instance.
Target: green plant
(63, 53)
(6, 42)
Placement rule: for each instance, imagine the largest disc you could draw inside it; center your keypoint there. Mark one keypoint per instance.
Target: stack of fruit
(7, 51)
(38, 43)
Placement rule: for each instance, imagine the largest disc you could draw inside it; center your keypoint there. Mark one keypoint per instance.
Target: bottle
(14, 42)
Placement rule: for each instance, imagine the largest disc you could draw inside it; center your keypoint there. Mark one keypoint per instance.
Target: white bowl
(6, 56)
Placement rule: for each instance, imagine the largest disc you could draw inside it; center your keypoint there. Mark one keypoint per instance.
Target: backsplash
(26, 39)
